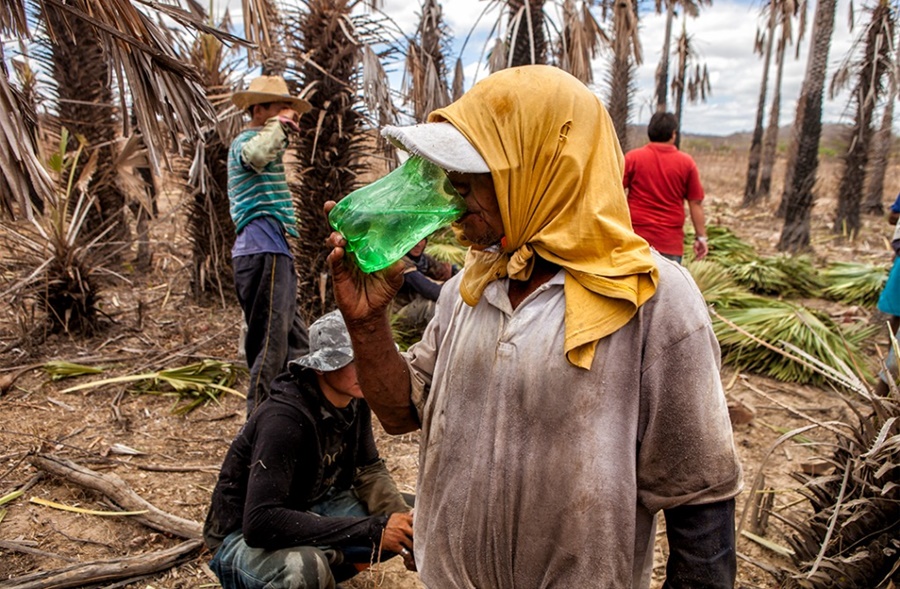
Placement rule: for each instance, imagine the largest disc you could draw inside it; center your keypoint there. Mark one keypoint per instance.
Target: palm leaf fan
(777, 276)
(778, 322)
(854, 283)
(724, 246)
(718, 286)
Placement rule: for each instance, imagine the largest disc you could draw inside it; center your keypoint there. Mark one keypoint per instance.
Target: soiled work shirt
(534, 473)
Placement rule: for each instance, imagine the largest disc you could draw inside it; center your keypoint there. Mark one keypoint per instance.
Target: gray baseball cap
(329, 345)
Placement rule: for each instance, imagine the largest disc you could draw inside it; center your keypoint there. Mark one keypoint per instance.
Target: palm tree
(755, 157)
(118, 44)
(82, 72)
(870, 69)
(527, 35)
(579, 41)
(881, 146)
(800, 177)
(425, 80)
(329, 50)
(788, 10)
(209, 224)
(689, 76)
(626, 45)
(690, 8)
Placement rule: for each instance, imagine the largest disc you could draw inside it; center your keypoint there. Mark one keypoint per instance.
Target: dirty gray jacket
(535, 473)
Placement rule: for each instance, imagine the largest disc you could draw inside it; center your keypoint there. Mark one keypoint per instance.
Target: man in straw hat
(263, 212)
(568, 386)
(303, 500)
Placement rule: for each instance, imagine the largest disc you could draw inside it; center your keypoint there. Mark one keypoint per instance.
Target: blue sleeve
(423, 285)
(896, 206)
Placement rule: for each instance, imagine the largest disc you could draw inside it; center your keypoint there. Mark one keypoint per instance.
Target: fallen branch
(18, 547)
(104, 570)
(118, 490)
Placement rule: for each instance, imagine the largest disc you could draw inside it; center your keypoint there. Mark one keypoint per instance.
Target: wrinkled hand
(359, 295)
(443, 271)
(398, 537)
(289, 118)
(701, 248)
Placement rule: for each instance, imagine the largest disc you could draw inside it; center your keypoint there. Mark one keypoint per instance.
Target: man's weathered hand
(360, 296)
(289, 118)
(398, 537)
(701, 248)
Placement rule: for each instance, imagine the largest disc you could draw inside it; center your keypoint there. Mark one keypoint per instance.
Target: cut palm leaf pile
(724, 246)
(443, 246)
(776, 322)
(192, 385)
(781, 276)
(853, 283)
(719, 287)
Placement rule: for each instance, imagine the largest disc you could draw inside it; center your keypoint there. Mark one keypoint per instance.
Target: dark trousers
(266, 286)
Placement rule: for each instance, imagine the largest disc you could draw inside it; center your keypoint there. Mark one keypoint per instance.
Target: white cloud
(723, 36)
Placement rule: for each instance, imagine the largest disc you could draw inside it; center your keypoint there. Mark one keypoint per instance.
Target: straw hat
(268, 89)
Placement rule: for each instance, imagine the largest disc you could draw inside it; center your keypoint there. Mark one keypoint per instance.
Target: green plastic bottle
(385, 219)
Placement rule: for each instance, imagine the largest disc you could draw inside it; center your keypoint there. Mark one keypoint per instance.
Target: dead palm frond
(192, 385)
(425, 79)
(854, 283)
(580, 40)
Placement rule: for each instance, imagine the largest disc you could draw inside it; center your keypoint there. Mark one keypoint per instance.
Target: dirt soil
(156, 325)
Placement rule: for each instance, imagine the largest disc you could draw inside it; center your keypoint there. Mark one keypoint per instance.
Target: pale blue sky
(723, 36)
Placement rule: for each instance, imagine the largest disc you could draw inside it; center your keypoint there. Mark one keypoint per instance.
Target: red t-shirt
(659, 178)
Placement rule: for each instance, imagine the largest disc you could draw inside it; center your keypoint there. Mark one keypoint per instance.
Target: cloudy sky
(723, 36)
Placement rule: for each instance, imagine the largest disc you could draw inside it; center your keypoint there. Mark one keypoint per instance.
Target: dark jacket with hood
(296, 448)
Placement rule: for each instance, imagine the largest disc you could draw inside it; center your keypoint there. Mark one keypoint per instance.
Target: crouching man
(303, 500)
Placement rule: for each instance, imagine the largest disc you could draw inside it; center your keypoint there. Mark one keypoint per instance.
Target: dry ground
(180, 455)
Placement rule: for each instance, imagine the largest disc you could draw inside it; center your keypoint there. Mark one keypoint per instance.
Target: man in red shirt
(658, 179)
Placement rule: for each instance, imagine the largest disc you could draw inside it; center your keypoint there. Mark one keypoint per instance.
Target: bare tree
(690, 8)
(425, 80)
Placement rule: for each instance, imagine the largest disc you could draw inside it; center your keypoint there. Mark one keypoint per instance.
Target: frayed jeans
(239, 566)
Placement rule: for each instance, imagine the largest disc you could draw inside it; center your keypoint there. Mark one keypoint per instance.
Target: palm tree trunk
(332, 141)
(865, 96)
(82, 74)
(798, 196)
(751, 195)
(770, 143)
(527, 36)
(678, 83)
(662, 70)
(873, 203)
(626, 57)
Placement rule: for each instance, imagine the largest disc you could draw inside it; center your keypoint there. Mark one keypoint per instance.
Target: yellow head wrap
(557, 169)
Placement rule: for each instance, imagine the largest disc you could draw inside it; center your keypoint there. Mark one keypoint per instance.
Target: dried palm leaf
(192, 385)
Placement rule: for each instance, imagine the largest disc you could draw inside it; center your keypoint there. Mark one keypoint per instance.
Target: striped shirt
(257, 185)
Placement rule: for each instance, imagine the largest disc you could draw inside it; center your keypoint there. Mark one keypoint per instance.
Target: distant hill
(833, 142)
